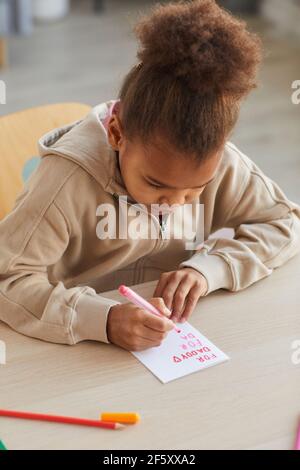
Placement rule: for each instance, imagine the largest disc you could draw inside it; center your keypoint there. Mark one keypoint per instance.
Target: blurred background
(79, 51)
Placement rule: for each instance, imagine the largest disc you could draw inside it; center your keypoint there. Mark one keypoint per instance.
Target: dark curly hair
(197, 62)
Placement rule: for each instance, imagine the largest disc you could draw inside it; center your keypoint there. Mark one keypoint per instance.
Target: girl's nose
(176, 199)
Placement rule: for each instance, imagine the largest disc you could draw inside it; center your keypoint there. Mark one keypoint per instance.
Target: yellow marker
(126, 418)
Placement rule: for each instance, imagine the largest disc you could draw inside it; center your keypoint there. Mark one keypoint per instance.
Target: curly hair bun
(202, 44)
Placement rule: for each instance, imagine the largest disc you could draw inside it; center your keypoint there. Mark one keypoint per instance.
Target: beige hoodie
(53, 264)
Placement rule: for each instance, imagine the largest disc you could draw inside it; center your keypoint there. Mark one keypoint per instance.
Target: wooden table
(252, 401)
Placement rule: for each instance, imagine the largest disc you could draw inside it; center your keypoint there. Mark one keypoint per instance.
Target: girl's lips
(161, 212)
(156, 210)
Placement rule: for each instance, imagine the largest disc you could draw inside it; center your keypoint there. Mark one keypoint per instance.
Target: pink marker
(140, 302)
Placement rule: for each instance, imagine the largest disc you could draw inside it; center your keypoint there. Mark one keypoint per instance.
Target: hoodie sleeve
(29, 302)
(266, 225)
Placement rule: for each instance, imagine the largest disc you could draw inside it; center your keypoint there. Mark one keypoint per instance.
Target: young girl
(163, 142)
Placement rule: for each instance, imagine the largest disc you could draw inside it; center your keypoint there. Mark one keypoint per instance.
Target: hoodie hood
(85, 143)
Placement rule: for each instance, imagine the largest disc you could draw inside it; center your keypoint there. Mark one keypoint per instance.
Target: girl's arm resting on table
(267, 232)
(29, 303)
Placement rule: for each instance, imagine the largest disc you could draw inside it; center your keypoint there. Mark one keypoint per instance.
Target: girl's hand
(135, 329)
(181, 291)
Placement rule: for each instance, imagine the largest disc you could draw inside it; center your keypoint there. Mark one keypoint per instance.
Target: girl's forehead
(157, 152)
(176, 171)
(158, 158)
(159, 146)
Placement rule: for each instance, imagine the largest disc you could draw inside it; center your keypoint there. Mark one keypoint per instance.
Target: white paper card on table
(181, 354)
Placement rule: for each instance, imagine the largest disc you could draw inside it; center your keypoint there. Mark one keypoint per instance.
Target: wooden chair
(3, 52)
(19, 133)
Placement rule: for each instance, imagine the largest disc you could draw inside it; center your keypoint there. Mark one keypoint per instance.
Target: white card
(181, 354)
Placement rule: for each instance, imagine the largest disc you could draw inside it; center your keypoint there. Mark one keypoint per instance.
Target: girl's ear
(114, 132)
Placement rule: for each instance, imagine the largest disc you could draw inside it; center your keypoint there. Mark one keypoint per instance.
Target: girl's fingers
(158, 302)
(161, 324)
(179, 292)
(191, 302)
(170, 289)
(180, 296)
(152, 335)
(161, 285)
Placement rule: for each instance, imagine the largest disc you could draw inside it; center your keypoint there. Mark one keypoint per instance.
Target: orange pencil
(125, 418)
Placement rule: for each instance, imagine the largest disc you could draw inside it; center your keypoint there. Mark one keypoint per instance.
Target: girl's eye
(153, 185)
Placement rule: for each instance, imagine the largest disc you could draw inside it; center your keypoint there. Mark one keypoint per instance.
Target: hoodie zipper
(162, 226)
(141, 261)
